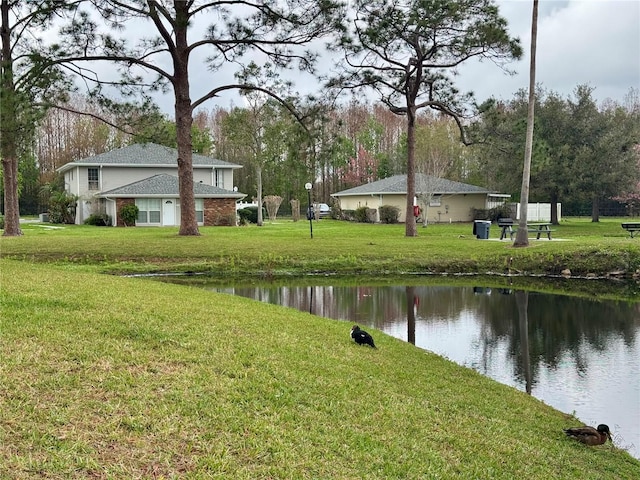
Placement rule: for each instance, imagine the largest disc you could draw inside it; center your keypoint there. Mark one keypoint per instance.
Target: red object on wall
(416, 211)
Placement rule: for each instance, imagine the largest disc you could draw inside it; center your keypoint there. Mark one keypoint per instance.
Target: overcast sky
(594, 42)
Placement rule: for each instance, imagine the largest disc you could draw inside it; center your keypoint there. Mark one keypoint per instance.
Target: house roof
(145, 155)
(163, 185)
(398, 185)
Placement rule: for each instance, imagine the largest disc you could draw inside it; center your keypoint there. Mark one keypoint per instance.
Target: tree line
(405, 52)
(583, 154)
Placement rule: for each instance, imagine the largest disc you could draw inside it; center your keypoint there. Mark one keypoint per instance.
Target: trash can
(481, 229)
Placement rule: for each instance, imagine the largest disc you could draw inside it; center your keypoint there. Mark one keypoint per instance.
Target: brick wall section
(121, 202)
(219, 211)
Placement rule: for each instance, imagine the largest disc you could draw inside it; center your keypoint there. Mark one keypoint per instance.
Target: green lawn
(111, 377)
(337, 247)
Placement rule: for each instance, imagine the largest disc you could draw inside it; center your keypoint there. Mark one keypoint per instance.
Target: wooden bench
(632, 228)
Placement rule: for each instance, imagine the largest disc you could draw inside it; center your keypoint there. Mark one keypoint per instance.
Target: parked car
(322, 208)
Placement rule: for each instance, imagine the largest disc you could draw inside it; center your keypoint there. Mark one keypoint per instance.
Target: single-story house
(147, 175)
(450, 201)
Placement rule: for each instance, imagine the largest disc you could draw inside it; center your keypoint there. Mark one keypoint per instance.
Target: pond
(579, 355)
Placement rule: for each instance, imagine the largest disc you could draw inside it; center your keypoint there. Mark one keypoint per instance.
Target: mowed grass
(336, 247)
(109, 377)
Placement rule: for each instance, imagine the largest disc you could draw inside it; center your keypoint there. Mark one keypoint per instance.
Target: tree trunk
(259, 188)
(410, 221)
(522, 237)
(8, 132)
(184, 119)
(11, 204)
(595, 209)
(554, 208)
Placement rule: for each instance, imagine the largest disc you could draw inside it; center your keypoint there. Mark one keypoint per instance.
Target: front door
(168, 212)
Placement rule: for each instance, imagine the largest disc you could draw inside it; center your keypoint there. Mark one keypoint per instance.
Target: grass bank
(285, 247)
(109, 377)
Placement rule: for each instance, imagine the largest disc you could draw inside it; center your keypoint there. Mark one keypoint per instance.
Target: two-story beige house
(147, 175)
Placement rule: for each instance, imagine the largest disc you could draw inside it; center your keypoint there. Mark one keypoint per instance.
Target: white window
(435, 201)
(200, 210)
(93, 175)
(148, 210)
(218, 178)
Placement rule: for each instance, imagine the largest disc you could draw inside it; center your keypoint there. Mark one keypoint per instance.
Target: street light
(309, 211)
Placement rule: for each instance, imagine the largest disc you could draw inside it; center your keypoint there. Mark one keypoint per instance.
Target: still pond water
(578, 355)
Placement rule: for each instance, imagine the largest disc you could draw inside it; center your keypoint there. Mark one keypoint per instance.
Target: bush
(98, 220)
(250, 215)
(480, 214)
(336, 212)
(348, 215)
(224, 220)
(389, 214)
(62, 207)
(502, 211)
(129, 214)
(1, 222)
(365, 215)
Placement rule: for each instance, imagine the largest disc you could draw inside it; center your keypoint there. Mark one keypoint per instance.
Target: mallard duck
(361, 337)
(590, 435)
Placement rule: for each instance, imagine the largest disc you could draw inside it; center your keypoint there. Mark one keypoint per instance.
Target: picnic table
(506, 225)
(631, 227)
(540, 229)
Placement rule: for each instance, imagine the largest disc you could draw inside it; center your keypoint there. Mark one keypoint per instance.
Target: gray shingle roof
(164, 185)
(398, 184)
(147, 154)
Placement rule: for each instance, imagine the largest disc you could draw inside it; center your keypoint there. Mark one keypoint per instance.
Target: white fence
(539, 212)
(241, 205)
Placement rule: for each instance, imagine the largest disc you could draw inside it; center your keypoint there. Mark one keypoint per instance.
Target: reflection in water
(579, 355)
(522, 301)
(412, 307)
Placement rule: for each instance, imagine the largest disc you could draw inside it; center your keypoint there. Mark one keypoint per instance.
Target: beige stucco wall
(454, 208)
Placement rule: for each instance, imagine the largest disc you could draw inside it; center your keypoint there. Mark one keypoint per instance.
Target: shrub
(365, 215)
(502, 211)
(98, 220)
(348, 215)
(129, 214)
(1, 222)
(480, 214)
(224, 220)
(389, 214)
(62, 207)
(336, 212)
(250, 214)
